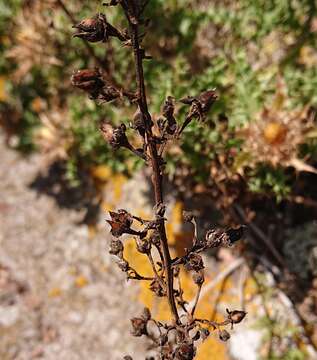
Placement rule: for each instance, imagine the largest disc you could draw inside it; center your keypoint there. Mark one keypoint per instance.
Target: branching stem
(154, 161)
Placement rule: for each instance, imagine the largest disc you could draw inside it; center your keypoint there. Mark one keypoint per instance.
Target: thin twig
(157, 275)
(230, 269)
(196, 300)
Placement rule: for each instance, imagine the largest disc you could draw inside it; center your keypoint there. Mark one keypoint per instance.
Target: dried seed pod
(138, 326)
(236, 316)
(199, 278)
(155, 238)
(115, 137)
(194, 262)
(139, 122)
(108, 93)
(188, 100)
(97, 29)
(206, 99)
(116, 247)
(224, 335)
(187, 216)
(168, 108)
(168, 113)
(234, 235)
(204, 333)
(214, 238)
(88, 80)
(184, 351)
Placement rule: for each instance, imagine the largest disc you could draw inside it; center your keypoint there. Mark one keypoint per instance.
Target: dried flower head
(120, 222)
(236, 316)
(277, 132)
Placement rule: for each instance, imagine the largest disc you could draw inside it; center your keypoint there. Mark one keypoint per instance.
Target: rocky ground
(60, 295)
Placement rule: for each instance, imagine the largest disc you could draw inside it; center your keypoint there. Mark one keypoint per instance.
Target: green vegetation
(257, 54)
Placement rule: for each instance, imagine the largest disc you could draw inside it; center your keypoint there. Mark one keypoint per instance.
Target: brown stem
(154, 160)
(196, 300)
(137, 276)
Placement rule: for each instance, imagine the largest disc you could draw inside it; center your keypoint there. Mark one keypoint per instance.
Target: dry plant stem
(154, 160)
(196, 300)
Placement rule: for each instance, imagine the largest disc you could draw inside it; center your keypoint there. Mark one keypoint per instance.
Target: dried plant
(174, 339)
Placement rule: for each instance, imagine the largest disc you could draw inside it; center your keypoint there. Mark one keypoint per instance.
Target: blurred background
(253, 162)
